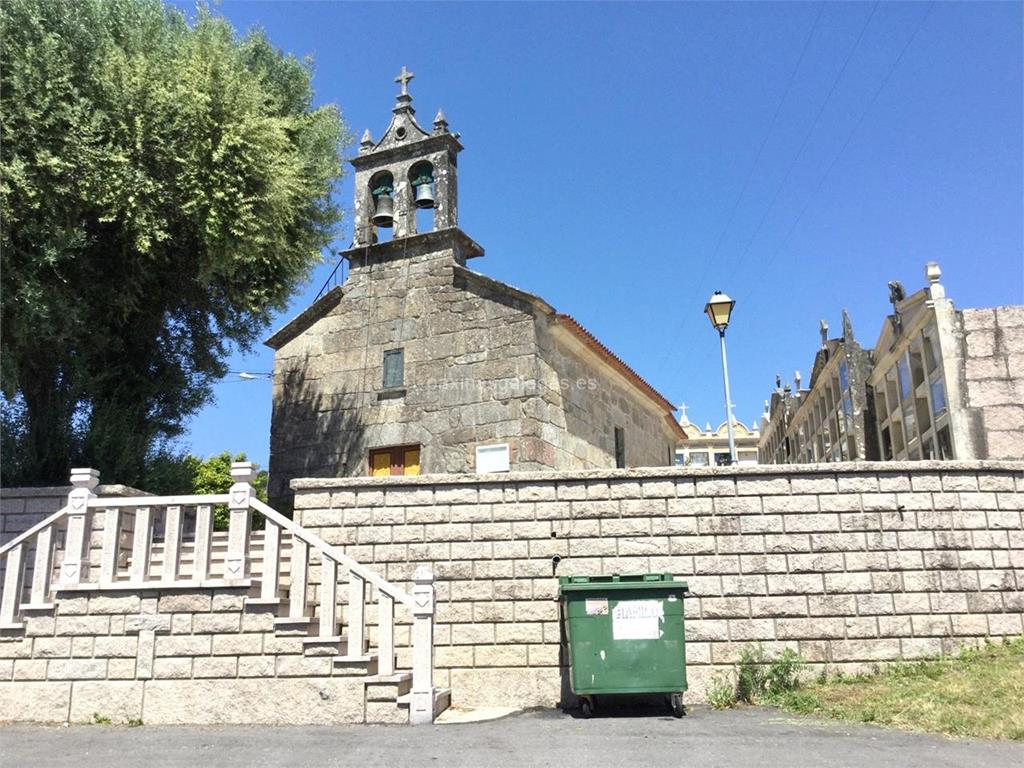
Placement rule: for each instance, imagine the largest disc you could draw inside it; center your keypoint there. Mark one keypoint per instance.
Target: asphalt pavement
(744, 737)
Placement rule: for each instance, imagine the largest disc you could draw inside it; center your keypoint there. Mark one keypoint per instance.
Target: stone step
(388, 687)
(442, 700)
(356, 664)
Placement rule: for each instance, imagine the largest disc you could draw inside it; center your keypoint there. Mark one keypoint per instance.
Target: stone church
(417, 363)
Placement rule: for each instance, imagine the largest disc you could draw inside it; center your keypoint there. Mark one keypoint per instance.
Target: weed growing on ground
(976, 692)
(721, 693)
(757, 678)
(98, 719)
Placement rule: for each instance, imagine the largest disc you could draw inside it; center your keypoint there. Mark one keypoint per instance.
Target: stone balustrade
(111, 549)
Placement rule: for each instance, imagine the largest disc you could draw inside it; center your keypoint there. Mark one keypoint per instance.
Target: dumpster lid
(620, 581)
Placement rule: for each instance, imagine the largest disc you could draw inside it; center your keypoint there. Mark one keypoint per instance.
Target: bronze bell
(384, 214)
(425, 195)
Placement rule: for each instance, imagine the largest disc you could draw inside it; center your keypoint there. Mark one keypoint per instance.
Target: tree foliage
(164, 188)
(168, 474)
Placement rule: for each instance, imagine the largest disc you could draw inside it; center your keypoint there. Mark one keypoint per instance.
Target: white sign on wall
(492, 458)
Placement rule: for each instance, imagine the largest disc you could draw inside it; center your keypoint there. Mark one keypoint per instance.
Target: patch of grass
(977, 692)
(134, 722)
(721, 693)
(757, 677)
(98, 719)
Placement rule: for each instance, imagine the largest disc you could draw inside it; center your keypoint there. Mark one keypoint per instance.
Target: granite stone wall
(848, 564)
(21, 508)
(589, 404)
(177, 656)
(481, 366)
(993, 383)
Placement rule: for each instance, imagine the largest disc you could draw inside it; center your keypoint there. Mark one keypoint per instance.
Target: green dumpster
(625, 636)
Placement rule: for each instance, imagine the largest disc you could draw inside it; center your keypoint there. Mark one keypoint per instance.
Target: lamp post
(719, 309)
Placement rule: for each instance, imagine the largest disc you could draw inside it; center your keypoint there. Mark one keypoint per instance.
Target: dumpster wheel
(587, 706)
(676, 703)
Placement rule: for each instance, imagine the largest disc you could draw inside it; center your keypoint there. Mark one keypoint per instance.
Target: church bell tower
(409, 169)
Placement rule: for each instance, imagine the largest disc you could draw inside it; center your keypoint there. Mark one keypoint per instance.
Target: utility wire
(760, 151)
(746, 183)
(796, 158)
(803, 144)
(821, 182)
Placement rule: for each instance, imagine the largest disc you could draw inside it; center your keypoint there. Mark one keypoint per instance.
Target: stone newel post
(236, 566)
(421, 711)
(76, 551)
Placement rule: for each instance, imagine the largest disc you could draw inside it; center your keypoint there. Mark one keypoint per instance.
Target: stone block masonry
(994, 379)
(174, 656)
(848, 564)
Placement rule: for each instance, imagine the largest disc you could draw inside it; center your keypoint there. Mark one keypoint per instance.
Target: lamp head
(719, 310)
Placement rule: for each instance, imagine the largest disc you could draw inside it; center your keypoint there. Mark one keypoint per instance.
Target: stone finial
(243, 472)
(423, 575)
(84, 477)
(440, 122)
(823, 330)
(683, 418)
(796, 379)
(847, 326)
(933, 273)
(366, 143)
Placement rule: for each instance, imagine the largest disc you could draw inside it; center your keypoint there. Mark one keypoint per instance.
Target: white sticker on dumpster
(637, 620)
(597, 607)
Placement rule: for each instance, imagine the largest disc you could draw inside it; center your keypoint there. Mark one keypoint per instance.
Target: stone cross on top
(404, 77)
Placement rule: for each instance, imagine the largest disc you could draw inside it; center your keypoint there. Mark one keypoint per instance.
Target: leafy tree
(186, 474)
(164, 188)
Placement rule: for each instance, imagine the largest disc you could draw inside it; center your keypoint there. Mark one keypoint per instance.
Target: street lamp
(719, 309)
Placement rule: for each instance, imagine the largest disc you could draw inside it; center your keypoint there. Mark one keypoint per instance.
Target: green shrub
(759, 677)
(721, 693)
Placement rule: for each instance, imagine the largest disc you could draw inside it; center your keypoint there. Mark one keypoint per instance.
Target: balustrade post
(356, 614)
(421, 711)
(236, 566)
(172, 543)
(42, 571)
(204, 536)
(385, 633)
(76, 550)
(10, 602)
(111, 546)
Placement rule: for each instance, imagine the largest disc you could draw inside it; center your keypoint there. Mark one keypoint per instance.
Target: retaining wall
(177, 656)
(848, 564)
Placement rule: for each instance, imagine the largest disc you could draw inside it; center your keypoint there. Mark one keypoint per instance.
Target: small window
(394, 368)
(931, 349)
(938, 397)
(945, 444)
(903, 372)
(620, 448)
(399, 460)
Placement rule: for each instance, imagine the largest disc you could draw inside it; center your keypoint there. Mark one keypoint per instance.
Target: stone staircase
(287, 577)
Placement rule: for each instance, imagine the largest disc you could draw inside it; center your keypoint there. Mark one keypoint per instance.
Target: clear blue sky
(625, 160)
